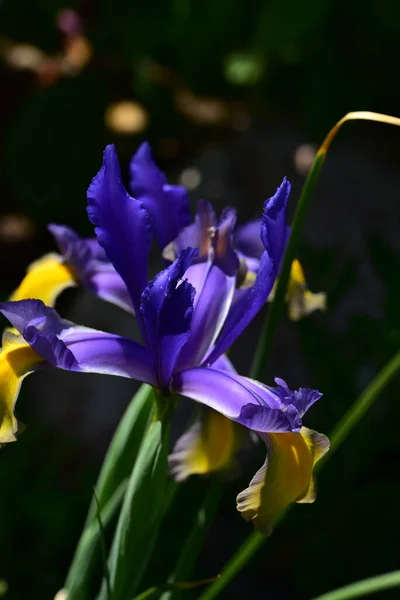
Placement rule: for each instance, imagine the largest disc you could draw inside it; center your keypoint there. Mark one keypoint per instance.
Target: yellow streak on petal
(46, 278)
(285, 477)
(208, 446)
(302, 302)
(17, 359)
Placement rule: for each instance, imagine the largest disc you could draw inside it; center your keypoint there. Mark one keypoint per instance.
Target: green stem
(141, 514)
(110, 487)
(362, 404)
(364, 587)
(276, 307)
(194, 542)
(275, 310)
(255, 540)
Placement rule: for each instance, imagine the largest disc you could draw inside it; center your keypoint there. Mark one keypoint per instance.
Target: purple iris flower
(186, 314)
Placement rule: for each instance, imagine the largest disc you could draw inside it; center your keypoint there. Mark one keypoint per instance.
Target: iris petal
(198, 234)
(72, 348)
(123, 226)
(285, 477)
(166, 310)
(274, 235)
(236, 397)
(87, 260)
(248, 240)
(17, 360)
(168, 205)
(209, 445)
(45, 279)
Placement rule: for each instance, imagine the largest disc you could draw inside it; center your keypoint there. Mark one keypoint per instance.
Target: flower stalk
(266, 338)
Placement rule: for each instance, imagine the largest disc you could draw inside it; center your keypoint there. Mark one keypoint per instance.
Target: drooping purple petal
(40, 326)
(166, 309)
(77, 251)
(263, 419)
(123, 226)
(235, 397)
(302, 399)
(67, 346)
(168, 205)
(274, 236)
(100, 352)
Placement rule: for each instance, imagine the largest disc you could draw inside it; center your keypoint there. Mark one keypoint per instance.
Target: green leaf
(140, 516)
(195, 538)
(110, 488)
(363, 588)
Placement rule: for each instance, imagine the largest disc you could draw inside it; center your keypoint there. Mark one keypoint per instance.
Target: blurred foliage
(195, 67)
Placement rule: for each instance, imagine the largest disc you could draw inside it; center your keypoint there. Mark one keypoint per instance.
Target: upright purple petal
(67, 346)
(88, 260)
(224, 364)
(225, 256)
(274, 235)
(245, 309)
(198, 234)
(107, 284)
(248, 240)
(209, 315)
(122, 224)
(166, 309)
(213, 296)
(168, 205)
(273, 227)
(237, 398)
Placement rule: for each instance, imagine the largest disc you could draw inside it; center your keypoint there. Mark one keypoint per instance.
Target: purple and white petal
(166, 310)
(214, 296)
(123, 226)
(167, 205)
(211, 309)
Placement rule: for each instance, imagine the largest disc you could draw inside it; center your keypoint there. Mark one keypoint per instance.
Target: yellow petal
(45, 279)
(302, 302)
(208, 446)
(285, 477)
(17, 359)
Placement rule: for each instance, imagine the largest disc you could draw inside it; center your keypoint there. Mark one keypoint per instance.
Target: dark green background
(313, 62)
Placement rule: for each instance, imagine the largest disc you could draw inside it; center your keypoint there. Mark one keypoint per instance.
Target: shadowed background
(232, 96)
